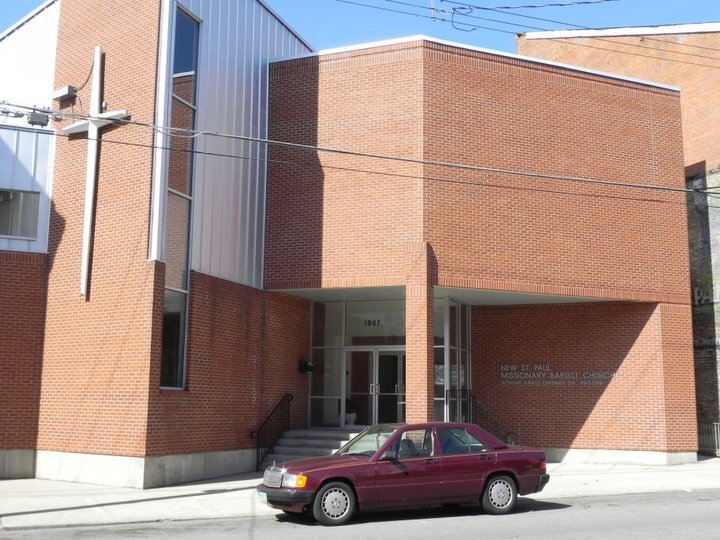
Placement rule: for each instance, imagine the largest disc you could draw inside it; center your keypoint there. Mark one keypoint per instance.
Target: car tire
(334, 504)
(500, 495)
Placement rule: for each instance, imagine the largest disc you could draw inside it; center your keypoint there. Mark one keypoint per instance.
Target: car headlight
(295, 481)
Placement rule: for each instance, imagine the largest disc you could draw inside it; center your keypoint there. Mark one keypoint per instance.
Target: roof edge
(421, 37)
(42, 7)
(667, 29)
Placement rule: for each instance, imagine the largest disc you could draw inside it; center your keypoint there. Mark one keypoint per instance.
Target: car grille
(272, 477)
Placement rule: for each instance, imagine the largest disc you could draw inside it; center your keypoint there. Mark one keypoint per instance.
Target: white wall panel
(25, 156)
(237, 39)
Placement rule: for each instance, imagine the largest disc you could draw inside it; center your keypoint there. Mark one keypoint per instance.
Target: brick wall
(243, 351)
(674, 60)
(331, 220)
(97, 356)
(498, 231)
(669, 59)
(642, 399)
(331, 223)
(23, 285)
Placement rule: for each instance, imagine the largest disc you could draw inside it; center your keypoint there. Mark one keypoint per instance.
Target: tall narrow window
(179, 200)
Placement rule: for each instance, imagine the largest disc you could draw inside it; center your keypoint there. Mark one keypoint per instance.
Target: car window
(414, 443)
(456, 441)
(368, 442)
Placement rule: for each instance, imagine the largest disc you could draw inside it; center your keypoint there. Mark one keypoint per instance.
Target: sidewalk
(46, 503)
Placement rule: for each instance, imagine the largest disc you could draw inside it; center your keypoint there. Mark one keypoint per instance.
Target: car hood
(322, 462)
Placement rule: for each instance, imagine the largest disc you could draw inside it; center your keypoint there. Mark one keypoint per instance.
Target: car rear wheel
(500, 495)
(334, 504)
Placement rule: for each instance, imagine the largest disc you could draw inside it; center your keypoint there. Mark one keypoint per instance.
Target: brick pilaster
(419, 369)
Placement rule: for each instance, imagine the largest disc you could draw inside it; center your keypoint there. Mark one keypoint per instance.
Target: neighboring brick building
(686, 56)
(164, 293)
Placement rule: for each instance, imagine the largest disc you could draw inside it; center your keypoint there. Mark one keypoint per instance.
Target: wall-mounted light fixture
(305, 366)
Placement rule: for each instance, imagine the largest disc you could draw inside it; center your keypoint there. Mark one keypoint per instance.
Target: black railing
(276, 423)
(460, 404)
(485, 419)
(465, 408)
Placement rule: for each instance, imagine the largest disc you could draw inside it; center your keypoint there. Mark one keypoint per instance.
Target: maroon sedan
(406, 465)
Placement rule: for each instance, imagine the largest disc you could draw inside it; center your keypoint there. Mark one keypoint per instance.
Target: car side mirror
(389, 455)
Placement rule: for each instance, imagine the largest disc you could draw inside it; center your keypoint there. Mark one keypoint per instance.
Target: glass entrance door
(390, 387)
(375, 386)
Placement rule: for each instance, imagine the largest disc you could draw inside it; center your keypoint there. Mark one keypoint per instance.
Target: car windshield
(368, 442)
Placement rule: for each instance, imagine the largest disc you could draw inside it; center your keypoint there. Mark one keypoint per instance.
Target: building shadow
(544, 371)
(523, 506)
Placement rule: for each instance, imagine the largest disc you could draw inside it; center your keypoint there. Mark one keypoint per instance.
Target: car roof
(487, 437)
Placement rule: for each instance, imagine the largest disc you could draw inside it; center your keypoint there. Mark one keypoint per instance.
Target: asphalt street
(650, 516)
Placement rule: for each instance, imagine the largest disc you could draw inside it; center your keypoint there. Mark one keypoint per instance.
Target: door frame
(376, 351)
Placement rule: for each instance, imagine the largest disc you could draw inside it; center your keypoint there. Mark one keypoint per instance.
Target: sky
(334, 23)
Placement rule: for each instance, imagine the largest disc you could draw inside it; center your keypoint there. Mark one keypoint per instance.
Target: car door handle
(485, 456)
(432, 461)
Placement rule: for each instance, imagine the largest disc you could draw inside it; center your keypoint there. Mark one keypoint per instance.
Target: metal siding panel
(237, 39)
(245, 130)
(43, 175)
(25, 165)
(226, 68)
(7, 152)
(238, 117)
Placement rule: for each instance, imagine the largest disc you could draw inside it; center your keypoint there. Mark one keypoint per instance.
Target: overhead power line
(449, 17)
(420, 15)
(559, 4)
(471, 7)
(572, 25)
(185, 133)
(385, 173)
(437, 16)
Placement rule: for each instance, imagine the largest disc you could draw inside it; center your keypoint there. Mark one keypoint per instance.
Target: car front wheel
(500, 495)
(334, 504)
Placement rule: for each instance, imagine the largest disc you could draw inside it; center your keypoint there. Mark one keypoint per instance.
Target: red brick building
(573, 295)
(474, 252)
(684, 56)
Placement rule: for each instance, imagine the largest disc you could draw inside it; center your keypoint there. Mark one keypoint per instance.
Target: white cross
(96, 121)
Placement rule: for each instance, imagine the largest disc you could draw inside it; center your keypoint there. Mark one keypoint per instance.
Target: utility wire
(312, 148)
(563, 4)
(470, 7)
(432, 18)
(384, 173)
(572, 25)
(493, 29)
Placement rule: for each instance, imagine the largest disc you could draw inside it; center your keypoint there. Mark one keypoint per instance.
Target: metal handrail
(484, 418)
(276, 423)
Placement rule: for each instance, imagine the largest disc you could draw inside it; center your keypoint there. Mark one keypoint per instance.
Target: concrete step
(320, 434)
(311, 443)
(303, 450)
(305, 443)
